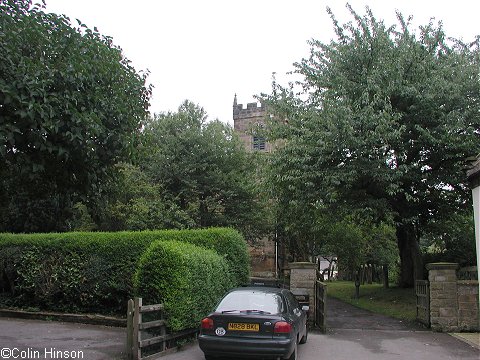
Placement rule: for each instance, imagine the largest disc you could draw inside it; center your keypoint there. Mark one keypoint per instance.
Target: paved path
(353, 334)
(345, 316)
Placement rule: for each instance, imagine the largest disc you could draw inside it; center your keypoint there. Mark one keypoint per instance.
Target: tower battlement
(252, 110)
(246, 123)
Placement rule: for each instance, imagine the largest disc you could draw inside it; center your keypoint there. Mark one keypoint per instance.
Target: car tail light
(282, 327)
(207, 324)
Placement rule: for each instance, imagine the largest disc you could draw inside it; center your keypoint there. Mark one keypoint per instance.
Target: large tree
(70, 106)
(384, 120)
(202, 167)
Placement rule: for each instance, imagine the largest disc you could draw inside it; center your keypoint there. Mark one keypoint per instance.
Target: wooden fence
(321, 306)
(422, 293)
(138, 337)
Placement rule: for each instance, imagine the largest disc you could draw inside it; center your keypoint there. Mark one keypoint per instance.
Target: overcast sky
(208, 50)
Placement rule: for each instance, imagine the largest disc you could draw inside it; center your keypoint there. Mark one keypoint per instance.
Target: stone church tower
(248, 124)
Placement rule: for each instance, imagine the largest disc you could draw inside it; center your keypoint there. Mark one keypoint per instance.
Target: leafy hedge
(93, 272)
(225, 241)
(187, 279)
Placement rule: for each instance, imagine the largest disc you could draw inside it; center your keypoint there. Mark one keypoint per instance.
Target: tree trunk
(411, 261)
(385, 276)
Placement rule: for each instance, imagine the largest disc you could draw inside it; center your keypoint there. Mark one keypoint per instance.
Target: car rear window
(251, 300)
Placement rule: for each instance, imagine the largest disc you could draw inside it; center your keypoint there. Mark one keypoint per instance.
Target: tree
(203, 168)
(383, 121)
(451, 240)
(134, 202)
(71, 106)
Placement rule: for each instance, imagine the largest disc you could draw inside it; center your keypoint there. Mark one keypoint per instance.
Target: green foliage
(52, 281)
(452, 240)
(203, 169)
(226, 242)
(187, 279)
(93, 272)
(71, 106)
(384, 121)
(89, 272)
(134, 202)
(81, 219)
(357, 241)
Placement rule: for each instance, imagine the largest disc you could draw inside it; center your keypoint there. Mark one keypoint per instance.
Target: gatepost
(443, 296)
(302, 281)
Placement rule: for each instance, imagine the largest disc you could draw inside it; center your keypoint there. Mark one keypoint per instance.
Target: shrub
(89, 272)
(187, 279)
(93, 272)
(227, 242)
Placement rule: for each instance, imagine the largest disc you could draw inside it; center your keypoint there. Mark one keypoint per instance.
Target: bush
(89, 272)
(187, 279)
(93, 272)
(227, 242)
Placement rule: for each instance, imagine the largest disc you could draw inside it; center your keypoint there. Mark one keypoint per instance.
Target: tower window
(258, 143)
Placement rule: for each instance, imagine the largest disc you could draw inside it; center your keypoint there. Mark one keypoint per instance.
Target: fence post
(324, 308)
(163, 331)
(130, 330)
(137, 320)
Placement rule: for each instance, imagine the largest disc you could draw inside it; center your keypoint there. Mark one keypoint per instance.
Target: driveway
(352, 334)
(361, 335)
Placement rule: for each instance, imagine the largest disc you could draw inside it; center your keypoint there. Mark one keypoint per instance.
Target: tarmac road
(37, 339)
(370, 344)
(353, 334)
(356, 334)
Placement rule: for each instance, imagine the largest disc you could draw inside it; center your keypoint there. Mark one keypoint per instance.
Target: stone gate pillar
(474, 180)
(302, 281)
(443, 296)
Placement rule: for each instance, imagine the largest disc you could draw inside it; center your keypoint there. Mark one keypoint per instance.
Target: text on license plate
(243, 327)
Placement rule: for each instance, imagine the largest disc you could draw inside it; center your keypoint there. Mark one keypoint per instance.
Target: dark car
(258, 322)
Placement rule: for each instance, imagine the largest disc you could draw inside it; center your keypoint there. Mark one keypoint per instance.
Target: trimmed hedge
(187, 279)
(225, 241)
(93, 272)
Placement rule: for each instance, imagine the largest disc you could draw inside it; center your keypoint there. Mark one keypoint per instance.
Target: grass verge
(395, 302)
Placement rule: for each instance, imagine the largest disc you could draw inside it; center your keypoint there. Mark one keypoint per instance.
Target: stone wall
(453, 303)
(468, 313)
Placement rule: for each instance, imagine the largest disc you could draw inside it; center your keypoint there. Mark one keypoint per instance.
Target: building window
(258, 143)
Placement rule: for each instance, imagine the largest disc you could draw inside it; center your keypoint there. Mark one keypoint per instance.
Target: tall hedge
(187, 279)
(225, 241)
(93, 272)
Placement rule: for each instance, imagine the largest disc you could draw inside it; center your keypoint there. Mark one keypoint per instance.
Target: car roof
(263, 289)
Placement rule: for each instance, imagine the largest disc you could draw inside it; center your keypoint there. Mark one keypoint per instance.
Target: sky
(207, 51)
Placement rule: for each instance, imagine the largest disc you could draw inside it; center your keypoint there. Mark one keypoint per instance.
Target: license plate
(243, 327)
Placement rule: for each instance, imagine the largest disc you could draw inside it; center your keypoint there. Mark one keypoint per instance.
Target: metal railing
(422, 293)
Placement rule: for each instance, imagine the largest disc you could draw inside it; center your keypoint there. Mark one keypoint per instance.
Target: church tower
(249, 124)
